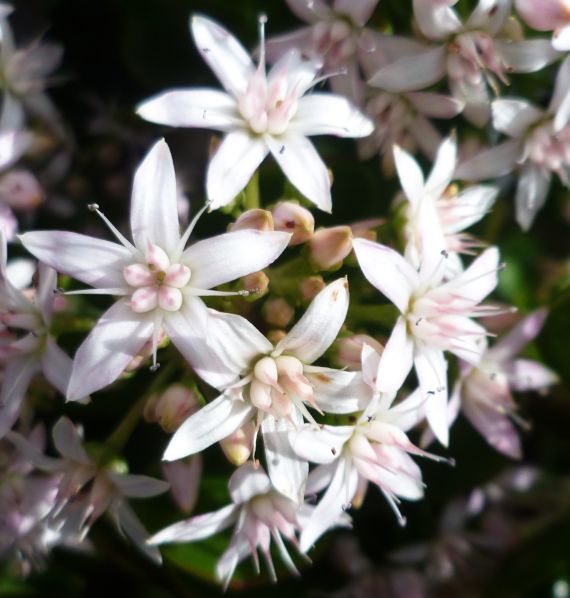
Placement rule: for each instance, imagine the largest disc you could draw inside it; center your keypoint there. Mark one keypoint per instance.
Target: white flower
(539, 146)
(259, 513)
(260, 114)
(274, 385)
(159, 280)
(474, 55)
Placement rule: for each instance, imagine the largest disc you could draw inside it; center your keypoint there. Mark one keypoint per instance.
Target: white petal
(138, 486)
(475, 283)
(328, 114)
(561, 39)
(532, 190)
(45, 292)
(303, 167)
(67, 441)
(130, 525)
(93, 261)
(111, 345)
(309, 12)
(338, 391)
(226, 257)
(407, 413)
(435, 105)
(233, 164)
(359, 12)
(490, 15)
(331, 507)
(287, 471)
(526, 374)
(248, 481)
(15, 381)
(471, 205)
(20, 272)
(370, 360)
(527, 56)
(443, 168)
(514, 117)
(410, 175)
(154, 212)
(212, 423)
(436, 22)
(223, 53)
(412, 72)
(560, 102)
(387, 270)
(203, 108)
(491, 163)
(197, 528)
(56, 365)
(397, 359)
(520, 336)
(278, 46)
(322, 444)
(315, 332)
(320, 478)
(425, 135)
(431, 369)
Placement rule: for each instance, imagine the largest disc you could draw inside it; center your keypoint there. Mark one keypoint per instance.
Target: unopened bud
(364, 229)
(290, 217)
(21, 190)
(277, 312)
(237, 446)
(256, 282)
(274, 336)
(311, 286)
(329, 246)
(172, 407)
(349, 350)
(256, 219)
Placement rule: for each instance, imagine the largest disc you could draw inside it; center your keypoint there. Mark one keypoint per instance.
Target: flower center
(157, 283)
(278, 383)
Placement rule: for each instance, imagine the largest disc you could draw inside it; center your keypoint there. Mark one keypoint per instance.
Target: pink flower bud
(144, 299)
(349, 350)
(8, 222)
(544, 15)
(265, 370)
(274, 336)
(169, 298)
(277, 312)
(311, 286)
(21, 190)
(157, 258)
(184, 479)
(172, 407)
(329, 246)
(254, 220)
(257, 282)
(364, 229)
(290, 217)
(237, 447)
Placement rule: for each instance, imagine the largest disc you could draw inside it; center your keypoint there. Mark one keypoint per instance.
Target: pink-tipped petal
(320, 445)
(526, 374)
(443, 168)
(397, 359)
(527, 56)
(410, 175)
(491, 163)
(514, 117)
(56, 365)
(15, 381)
(338, 391)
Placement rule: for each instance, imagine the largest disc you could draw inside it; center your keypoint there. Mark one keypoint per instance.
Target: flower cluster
(254, 318)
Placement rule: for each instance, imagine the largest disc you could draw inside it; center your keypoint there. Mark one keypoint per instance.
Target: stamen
(155, 336)
(93, 207)
(116, 291)
(392, 501)
(262, 21)
(212, 293)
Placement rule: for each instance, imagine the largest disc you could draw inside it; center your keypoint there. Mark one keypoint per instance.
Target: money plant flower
(274, 385)
(159, 281)
(27, 346)
(259, 513)
(475, 55)
(375, 449)
(455, 211)
(539, 147)
(259, 113)
(88, 489)
(548, 15)
(435, 315)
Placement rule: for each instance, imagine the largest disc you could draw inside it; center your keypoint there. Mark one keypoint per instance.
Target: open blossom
(436, 316)
(483, 392)
(259, 513)
(86, 489)
(548, 15)
(474, 55)
(539, 147)
(375, 449)
(273, 386)
(261, 113)
(455, 211)
(27, 347)
(159, 281)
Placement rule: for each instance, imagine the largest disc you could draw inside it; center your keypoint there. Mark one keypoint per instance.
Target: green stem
(252, 200)
(385, 315)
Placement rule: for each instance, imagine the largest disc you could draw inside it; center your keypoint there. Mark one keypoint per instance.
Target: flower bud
(349, 350)
(256, 282)
(293, 218)
(364, 229)
(277, 312)
(329, 246)
(237, 446)
(254, 220)
(8, 222)
(172, 407)
(274, 336)
(311, 286)
(21, 190)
